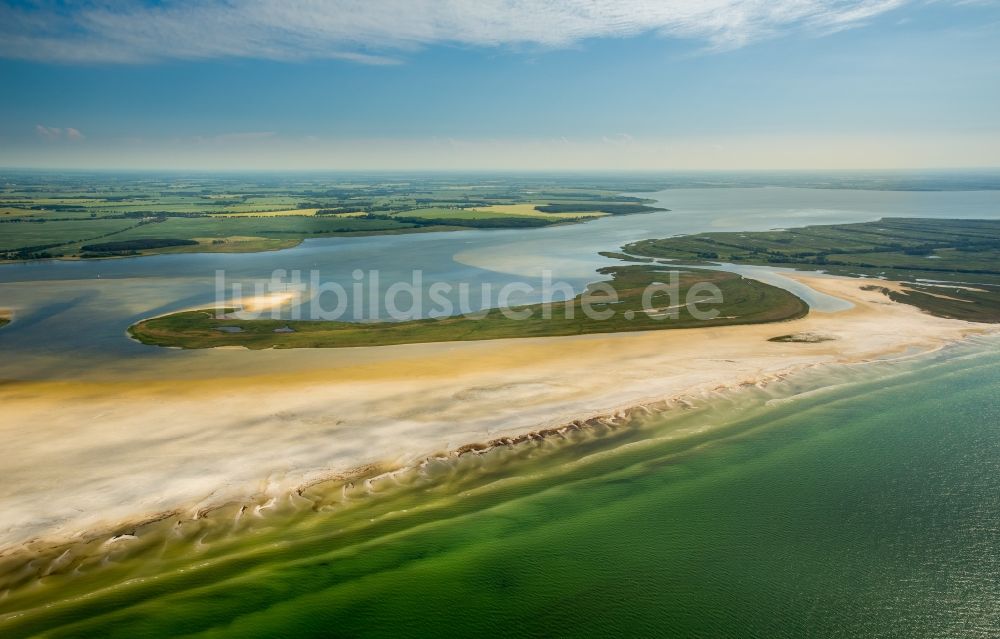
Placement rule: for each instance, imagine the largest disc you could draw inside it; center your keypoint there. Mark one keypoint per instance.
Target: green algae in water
(869, 509)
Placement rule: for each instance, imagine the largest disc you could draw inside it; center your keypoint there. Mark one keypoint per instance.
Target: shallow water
(869, 507)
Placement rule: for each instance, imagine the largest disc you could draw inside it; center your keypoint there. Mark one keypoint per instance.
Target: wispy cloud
(48, 132)
(55, 134)
(378, 31)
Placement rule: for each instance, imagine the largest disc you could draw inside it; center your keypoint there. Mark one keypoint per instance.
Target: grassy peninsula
(744, 302)
(951, 267)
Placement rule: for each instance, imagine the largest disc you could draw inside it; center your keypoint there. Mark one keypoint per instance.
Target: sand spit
(351, 490)
(90, 455)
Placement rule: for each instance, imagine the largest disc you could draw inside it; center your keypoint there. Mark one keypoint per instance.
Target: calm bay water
(871, 509)
(84, 307)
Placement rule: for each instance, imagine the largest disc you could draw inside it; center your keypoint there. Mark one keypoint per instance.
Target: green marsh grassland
(745, 301)
(951, 267)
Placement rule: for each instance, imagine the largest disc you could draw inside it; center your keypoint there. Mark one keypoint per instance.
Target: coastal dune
(87, 456)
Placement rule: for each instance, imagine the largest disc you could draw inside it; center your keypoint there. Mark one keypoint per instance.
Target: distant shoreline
(56, 219)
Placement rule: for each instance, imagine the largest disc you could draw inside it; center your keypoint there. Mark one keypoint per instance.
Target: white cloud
(48, 132)
(375, 31)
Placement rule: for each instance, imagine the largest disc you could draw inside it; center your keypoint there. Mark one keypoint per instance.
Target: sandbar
(84, 456)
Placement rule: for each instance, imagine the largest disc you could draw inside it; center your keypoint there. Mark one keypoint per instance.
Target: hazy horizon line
(506, 171)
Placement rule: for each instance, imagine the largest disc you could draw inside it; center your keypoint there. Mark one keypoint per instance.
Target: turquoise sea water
(849, 502)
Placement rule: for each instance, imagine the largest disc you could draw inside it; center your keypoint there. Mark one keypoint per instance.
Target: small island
(744, 301)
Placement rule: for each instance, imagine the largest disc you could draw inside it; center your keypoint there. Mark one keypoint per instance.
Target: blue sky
(492, 85)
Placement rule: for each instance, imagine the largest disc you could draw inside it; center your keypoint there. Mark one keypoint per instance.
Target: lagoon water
(870, 508)
(84, 307)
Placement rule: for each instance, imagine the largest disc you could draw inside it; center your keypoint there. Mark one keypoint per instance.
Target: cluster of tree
(91, 254)
(339, 209)
(979, 247)
(223, 202)
(125, 198)
(463, 202)
(22, 254)
(37, 252)
(137, 244)
(132, 215)
(63, 208)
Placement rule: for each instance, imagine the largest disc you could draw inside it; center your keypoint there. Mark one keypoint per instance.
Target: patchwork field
(58, 217)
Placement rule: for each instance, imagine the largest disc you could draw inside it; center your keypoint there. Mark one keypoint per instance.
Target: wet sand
(86, 455)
